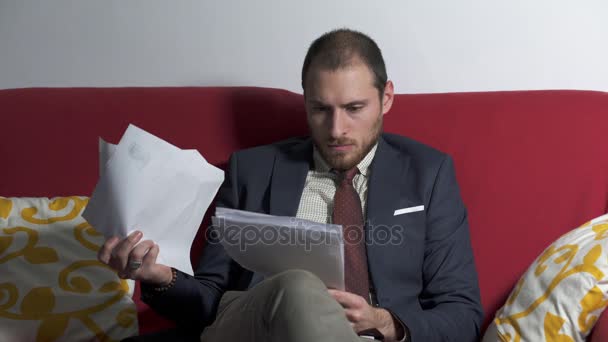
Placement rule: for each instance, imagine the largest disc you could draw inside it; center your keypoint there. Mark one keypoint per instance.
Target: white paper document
(147, 184)
(272, 244)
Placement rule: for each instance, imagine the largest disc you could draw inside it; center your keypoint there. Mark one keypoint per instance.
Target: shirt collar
(320, 165)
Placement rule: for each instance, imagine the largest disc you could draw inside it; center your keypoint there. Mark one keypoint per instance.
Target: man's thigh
(247, 314)
(293, 305)
(234, 320)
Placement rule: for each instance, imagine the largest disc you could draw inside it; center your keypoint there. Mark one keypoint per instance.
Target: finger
(335, 293)
(105, 252)
(123, 249)
(346, 299)
(354, 316)
(150, 257)
(136, 256)
(139, 252)
(147, 261)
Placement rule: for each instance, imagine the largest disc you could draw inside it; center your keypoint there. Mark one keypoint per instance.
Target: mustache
(343, 141)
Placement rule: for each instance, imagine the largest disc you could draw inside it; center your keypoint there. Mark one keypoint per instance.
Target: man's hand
(123, 255)
(363, 316)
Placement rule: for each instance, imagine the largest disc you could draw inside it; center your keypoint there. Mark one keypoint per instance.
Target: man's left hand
(363, 316)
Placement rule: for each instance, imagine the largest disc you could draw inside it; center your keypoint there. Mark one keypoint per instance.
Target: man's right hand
(123, 255)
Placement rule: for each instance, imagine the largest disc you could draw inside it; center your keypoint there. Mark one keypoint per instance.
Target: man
(421, 286)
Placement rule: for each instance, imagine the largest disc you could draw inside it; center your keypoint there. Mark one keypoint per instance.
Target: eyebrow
(355, 103)
(349, 104)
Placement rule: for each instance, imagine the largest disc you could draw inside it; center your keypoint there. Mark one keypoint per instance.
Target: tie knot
(348, 175)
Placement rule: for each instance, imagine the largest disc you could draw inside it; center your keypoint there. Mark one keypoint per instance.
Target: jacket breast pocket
(409, 227)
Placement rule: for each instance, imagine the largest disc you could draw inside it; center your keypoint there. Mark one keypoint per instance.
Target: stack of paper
(272, 244)
(150, 185)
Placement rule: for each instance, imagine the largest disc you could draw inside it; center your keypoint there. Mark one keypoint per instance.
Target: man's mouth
(341, 147)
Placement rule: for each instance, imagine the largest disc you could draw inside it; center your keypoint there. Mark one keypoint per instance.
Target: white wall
(429, 46)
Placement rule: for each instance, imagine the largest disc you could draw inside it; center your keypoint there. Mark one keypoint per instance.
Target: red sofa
(531, 164)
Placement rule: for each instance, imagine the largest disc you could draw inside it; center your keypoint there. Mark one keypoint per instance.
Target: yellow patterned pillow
(562, 294)
(52, 288)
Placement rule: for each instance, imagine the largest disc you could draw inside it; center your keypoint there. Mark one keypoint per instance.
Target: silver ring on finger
(134, 264)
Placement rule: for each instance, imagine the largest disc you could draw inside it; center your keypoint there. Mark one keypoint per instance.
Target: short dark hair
(337, 48)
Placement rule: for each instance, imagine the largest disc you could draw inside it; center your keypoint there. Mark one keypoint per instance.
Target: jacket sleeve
(450, 305)
(192, 302)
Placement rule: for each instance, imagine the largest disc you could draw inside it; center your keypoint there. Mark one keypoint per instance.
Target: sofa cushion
(562, 294)
(52, 286)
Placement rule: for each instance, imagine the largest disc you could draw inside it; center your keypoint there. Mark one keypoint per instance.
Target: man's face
(344, 112)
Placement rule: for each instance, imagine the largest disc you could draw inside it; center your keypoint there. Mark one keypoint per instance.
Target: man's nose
(338, 124)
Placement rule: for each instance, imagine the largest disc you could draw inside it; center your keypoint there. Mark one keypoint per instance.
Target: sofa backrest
(531, 164)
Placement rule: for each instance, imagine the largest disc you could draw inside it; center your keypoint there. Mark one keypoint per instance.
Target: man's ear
(387, 97)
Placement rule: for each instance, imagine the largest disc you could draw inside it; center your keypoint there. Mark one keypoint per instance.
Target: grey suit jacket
(424, 272)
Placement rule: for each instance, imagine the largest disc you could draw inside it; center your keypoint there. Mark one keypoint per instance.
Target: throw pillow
(562, 294)
(52, 287)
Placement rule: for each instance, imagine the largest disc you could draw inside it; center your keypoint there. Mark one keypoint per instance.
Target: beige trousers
(291, 306)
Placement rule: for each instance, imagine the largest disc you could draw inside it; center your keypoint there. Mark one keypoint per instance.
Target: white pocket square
(408, 210)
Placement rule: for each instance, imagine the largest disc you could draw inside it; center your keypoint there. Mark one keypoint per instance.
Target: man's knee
(293, 291)
(299, 303)
(298, 280)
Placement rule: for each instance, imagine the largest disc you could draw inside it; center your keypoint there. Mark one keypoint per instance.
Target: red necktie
(348, 213)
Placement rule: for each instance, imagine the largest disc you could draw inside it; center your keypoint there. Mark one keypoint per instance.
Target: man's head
(346, 93)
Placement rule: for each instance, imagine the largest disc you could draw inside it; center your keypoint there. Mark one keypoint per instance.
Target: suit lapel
(386, 191)
(288, 178)
(386, 184)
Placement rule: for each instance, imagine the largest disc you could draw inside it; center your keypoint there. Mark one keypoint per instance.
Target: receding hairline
(352, 61)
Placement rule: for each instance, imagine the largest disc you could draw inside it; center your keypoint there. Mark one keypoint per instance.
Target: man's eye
(354, 109)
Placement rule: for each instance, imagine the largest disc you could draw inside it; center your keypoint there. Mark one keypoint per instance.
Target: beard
(342, 161)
